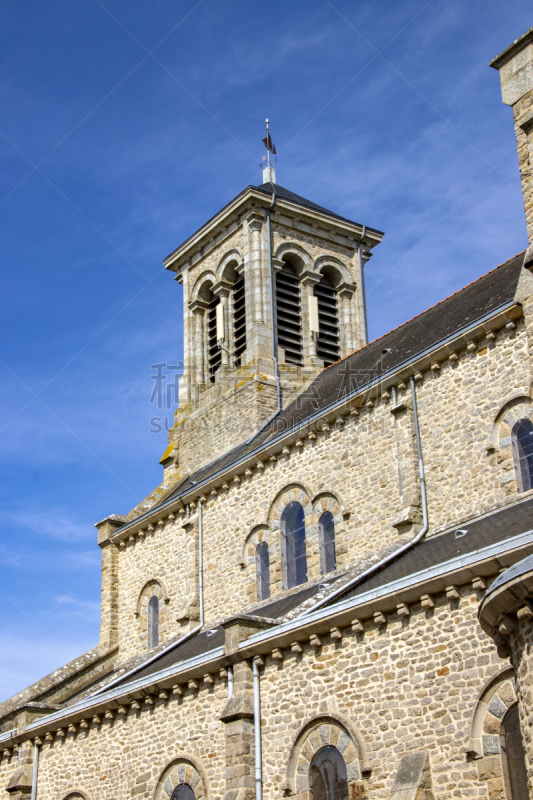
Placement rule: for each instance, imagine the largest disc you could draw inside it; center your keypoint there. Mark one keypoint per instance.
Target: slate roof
(461, 310)
(482, 532)
(283, 194)
(291, 197)
(498, 526)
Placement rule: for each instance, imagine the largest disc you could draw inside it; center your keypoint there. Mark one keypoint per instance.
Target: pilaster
(409, 514)
(515, 65)
(110, 577)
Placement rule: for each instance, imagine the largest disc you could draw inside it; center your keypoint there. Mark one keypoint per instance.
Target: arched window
(288, 314)
(328, 778)
(522, 437)
(292, 522)
(326, 542)
(327, 343)
(153, 622)
(262, 571)
(182, 792)
(513, 757)
(239, 319)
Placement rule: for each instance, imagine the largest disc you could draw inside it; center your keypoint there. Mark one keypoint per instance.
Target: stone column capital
(346, 290)
(255, 221)
(198, 306)
(222, 288)
(309, 277)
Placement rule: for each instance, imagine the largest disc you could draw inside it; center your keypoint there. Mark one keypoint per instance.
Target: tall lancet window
(239, 320)
(327, 344)
(262, 571)
(288, 314)
(522, 438)
(293, 550)
(153, 622)
(326, 542)
(214, 354)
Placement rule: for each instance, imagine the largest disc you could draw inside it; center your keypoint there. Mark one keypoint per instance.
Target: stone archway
(325, 730)
(181, 770)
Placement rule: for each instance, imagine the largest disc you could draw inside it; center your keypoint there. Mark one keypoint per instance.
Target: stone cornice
(424, 361)
(223, 224)
(423, 590)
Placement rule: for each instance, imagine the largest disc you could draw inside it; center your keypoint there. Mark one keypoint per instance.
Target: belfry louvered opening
(214, 354)
(239, 320)
(328, 342)
(288, 314)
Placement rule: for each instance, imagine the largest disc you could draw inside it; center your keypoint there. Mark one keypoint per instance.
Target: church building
(330, 594)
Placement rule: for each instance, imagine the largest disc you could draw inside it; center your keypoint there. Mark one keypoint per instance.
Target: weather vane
(267, 141)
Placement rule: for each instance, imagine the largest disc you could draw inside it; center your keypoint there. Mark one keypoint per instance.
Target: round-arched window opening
(293, 549)
(513, 756)
(522, 440)
(153, 621)
(182, 792)
(328, 777)
(262, 571)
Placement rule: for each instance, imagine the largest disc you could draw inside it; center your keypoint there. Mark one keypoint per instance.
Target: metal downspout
(394, 402)
(406, 547)
(187, 635)
(362, 281)
(257, 733)
(35, 771)
(272, 320)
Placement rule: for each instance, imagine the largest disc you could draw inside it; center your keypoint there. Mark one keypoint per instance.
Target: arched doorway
(182, 792)
(513, 757)
(328, 779)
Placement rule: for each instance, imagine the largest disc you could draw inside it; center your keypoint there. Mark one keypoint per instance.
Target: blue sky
(125, 126)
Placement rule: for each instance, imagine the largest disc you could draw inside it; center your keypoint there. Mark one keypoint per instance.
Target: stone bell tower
(515, 65)
(272, 293)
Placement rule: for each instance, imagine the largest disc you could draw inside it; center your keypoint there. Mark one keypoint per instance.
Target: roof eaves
(514, 544)
(254, 452)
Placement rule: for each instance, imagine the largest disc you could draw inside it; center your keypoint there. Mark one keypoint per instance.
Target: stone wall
(410, 685)
(354, 463)
(214, 417)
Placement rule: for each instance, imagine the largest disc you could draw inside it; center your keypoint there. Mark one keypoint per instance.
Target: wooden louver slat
(239, 320)
(214, 355)
(327, 345)
(288, 315)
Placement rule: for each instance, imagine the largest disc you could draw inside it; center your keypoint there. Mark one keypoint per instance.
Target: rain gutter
(385, 376)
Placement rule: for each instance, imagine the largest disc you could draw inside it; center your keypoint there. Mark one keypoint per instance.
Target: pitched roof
(466, 541)
(282, 194)
(461, 540)
(291, 197)
(361, 369)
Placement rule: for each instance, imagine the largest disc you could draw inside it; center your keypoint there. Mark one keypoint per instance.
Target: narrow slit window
(328, 341)
(153, 622)
(326, 542)
(289, 314)
(522, 438)
(294, 554)
(214, 355)
(262, 571)
(239, 320)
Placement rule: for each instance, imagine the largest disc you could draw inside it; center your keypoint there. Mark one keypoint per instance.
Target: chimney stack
(515, 65)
